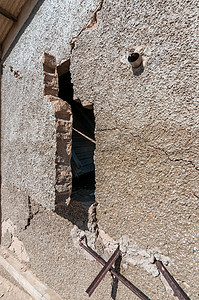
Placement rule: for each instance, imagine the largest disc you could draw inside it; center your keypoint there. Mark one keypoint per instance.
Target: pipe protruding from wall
(135, 60)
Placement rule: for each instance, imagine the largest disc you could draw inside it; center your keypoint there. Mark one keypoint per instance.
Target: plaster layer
(146, 130)
(28, 121)
(68, 271)
(147, 133)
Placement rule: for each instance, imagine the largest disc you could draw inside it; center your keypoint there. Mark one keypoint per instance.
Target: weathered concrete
(25, 278)
(67, 269)
(146, 126)
(28, 122)
(146, 154)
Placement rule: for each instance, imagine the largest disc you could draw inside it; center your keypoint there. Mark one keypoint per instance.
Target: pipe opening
(133, 57)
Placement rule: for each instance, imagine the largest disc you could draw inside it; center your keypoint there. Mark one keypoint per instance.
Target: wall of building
(147, 143)
(146, 126)
(28, 122)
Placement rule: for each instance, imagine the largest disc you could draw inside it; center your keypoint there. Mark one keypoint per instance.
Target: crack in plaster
(196, 196)
(177, 159)
(170, 159)
(31, 214)
(91, 24)
(154, 147)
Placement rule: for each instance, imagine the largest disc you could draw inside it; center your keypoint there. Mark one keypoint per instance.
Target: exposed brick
(62, 109)
(51, 79)
(52, 98)
(62, 149)
(63, 115)
(49, 60)
(64, 178)
(50, 84)
(64, 188)
(63, 126)
(50, 91)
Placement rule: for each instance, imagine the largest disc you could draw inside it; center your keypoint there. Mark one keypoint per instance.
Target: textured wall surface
(146, 126)
(28, 122)
(146, 155)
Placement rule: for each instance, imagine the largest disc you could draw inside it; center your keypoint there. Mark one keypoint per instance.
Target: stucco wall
(146, 131)
(28, 122)
(146, 125)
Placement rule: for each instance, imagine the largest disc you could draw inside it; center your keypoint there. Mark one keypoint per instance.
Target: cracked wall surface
(147, 129)
(146, 157)
(49, 241)
(28, 120)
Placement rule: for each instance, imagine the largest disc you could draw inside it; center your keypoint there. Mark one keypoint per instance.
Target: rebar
(178, 292)
(121, 278)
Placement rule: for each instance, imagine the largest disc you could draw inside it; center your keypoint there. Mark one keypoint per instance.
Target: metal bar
(121, 278)
(103, 272)
(178, 292)
(8, 15)
(87, 137)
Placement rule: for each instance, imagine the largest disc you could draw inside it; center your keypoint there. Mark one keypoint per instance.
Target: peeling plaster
(16, 245)
(132, 254)
(8, 226)
(76, 234)
(19, 249)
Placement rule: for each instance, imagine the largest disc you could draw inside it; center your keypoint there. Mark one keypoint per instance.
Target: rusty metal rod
(103, 272)
(121, 278)
(178, 292)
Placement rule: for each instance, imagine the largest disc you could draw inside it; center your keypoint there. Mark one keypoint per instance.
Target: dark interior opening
(133, 57)
(82, 163)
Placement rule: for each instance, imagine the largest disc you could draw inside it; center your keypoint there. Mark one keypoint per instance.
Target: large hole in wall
(83, 146)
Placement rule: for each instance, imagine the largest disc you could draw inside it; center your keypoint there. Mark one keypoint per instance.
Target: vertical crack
(91, 23)
(196, 195)
(30, 213)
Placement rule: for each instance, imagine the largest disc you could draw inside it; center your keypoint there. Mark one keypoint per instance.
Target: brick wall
(63, 115)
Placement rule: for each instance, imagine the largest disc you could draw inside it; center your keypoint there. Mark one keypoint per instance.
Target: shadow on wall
(76, 212)
(115, 280)
(138, 71)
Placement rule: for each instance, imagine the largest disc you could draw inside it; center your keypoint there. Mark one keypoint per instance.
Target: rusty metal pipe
(178, 292)
(121, 278)
(103, 272)
(135, 60)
